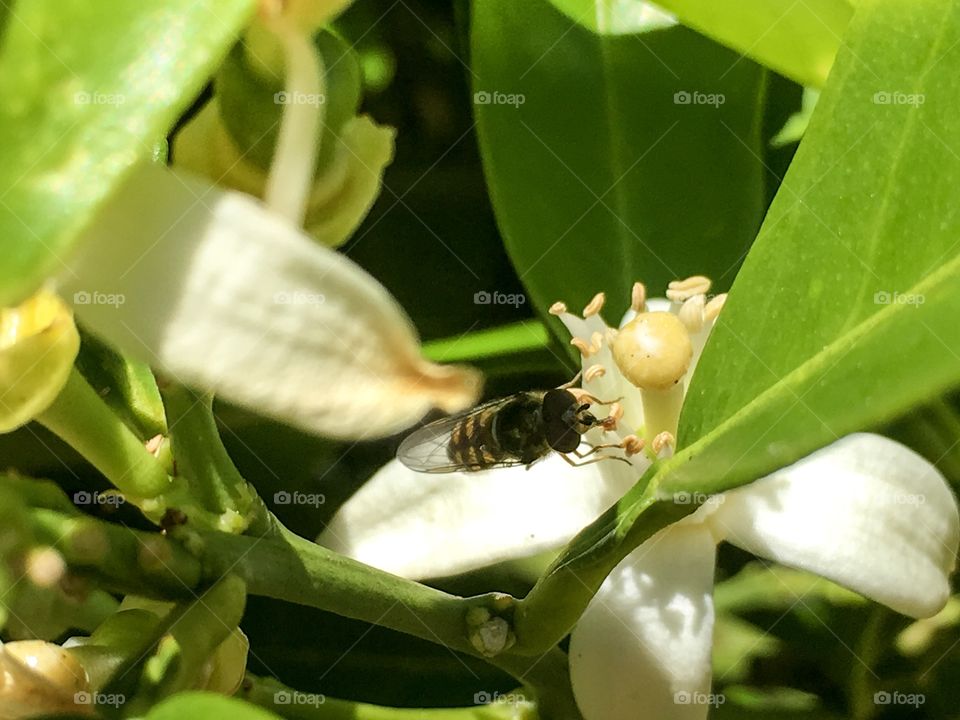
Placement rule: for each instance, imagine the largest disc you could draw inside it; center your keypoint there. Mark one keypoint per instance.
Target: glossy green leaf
(844, 314)
(797, 39)
(88, 89)
(612, 159)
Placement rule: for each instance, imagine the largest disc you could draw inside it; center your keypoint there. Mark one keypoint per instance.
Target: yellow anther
(691, 313)
(583, 346)
(713, 308)
(595, 305)
(680, 290)
(609, 423)
(662, 442)
(638, 297)
(593, 372)
(632, 445)
(558, 308)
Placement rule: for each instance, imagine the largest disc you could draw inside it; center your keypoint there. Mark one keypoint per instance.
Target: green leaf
(612, 165)
(844, 314)
(505, 340)
(797, 39)
(90, 88)
(207, 705)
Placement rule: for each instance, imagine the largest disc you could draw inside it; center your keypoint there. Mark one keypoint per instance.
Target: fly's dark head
(565, 419)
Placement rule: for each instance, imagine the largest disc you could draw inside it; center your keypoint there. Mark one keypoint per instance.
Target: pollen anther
(680, 290)
(595, 305)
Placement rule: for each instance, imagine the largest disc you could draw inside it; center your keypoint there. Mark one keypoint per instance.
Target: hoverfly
(515, 430)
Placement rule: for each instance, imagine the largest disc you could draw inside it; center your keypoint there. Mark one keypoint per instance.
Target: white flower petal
(865, 512)
(642, 648)
(421, 525)
(213, 289)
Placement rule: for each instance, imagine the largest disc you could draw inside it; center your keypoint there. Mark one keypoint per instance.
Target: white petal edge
(642, 648)
(865, 512)
(423, 525)
(221, 294)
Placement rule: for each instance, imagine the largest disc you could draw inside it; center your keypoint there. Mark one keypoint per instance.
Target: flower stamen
(595, 305)
(632, 445)
(680, 290)
(692, 313)
(638, 297)
(664, 444)
(713, 308)
(594, 371)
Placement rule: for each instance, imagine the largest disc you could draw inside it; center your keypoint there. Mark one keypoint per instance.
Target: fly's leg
(599, 458)
(594, 448)
(568, 385)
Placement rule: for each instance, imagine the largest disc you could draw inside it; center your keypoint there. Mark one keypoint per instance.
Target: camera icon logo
(81, 297)
(682, 98)
(282, 697)
(681, 698)
(482, 698)
(881, 698)
(482, 298)
(282, 497)
(481, 97)
(82, 497)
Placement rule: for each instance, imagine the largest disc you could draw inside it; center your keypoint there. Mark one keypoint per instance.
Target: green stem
(82, 418)
(296, 570)
(273, 696)
(556, 602)
(120, 559)
(203, 462)
(290, 568)
(862, 677)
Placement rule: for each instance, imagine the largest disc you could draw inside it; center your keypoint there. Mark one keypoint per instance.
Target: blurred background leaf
(798, 39)
(622, 158)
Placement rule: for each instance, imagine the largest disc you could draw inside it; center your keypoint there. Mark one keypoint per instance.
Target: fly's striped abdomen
(473, 444)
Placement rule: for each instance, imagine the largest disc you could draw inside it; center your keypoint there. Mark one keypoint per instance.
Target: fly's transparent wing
(427, 449)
